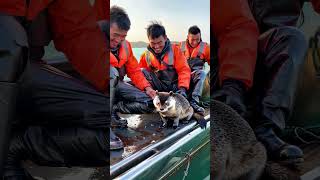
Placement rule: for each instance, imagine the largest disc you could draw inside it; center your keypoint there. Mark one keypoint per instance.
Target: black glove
(182, 91)
(202, 123)
(232, 93)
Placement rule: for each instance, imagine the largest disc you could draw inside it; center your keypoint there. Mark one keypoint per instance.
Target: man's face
(157, 44)
(194, 39)
(117, 35)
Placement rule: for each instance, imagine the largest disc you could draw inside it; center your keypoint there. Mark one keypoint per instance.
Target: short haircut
(194, 30)
(155, 30)
(119, 16)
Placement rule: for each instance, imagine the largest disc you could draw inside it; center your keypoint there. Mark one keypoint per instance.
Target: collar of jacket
(115, 51)
(189, 45)
(161, 55)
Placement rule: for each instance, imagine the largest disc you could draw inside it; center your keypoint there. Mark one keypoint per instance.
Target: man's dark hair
(155, 30)
(194, 30)
(119, 16)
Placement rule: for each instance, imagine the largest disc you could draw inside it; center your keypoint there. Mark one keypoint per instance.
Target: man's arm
(182, 68)
(237, 35)
(134, 72)
(76, 33)
(207, 54)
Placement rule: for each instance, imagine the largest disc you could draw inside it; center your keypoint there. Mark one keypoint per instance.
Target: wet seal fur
(173, 106)
(235, 151)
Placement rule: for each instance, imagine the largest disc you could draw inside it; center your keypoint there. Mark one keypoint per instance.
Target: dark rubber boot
(278, 149)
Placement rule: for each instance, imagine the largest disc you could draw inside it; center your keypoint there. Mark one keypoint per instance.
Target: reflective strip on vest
(124, 45)
(148, 58)
(183, 46)
(201, 49)
(170, 57)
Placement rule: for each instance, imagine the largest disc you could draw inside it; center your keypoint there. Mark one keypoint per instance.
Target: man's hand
(151, 92)
(232, 94)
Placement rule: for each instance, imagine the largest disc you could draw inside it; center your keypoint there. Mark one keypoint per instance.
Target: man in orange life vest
(197, 53)
(53, 109)
(164, 65)
(133, 97)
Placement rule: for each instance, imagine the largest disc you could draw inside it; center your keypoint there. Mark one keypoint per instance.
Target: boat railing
(138, 157)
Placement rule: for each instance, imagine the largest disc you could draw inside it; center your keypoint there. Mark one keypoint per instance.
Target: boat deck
(142, 130)
(310, 168)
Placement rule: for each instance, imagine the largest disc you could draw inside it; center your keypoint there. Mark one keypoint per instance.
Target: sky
(175, 15)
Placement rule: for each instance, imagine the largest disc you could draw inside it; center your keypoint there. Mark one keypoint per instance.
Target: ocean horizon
(137, 52)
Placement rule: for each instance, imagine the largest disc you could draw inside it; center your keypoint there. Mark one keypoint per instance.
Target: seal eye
(167, 104)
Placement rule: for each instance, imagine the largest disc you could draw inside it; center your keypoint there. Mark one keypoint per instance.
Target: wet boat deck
(142, 130)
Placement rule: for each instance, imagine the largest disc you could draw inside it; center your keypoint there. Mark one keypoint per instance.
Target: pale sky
(175, 15)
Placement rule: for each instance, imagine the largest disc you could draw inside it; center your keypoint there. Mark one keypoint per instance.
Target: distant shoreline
(141, 44)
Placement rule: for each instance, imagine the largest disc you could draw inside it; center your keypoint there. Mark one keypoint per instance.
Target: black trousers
(126, 91)
(49, 97)
(198, 78)
(281, 56)
(61, 121)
